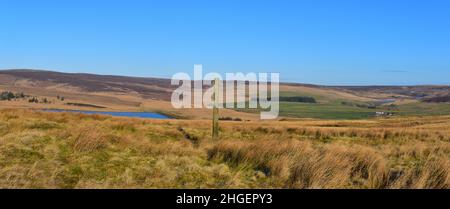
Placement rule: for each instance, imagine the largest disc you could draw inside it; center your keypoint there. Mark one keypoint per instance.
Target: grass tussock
(294, 164)
(64, 150)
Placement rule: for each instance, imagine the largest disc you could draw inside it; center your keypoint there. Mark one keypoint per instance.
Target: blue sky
(346, 42)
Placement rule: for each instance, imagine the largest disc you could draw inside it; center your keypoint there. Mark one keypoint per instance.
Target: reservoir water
(121, 114)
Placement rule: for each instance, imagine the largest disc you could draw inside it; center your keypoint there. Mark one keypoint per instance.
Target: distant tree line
(302, 99)
(33, 100)
(60, 98)
(36, 100)
(7, 95)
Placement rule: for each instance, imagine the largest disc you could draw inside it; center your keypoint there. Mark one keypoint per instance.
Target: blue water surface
(121, 114)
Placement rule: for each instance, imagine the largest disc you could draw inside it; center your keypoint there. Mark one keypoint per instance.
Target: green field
(323, 111)
(421, 109)
(327, 108)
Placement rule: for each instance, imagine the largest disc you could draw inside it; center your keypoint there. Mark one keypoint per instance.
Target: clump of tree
(302, 99)
(7, 95)
(36, 100)
(20, 95)
(60, 98)
(33, 100)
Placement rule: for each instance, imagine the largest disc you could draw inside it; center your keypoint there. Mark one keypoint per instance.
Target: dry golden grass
(65, 150)
(111, 101)
(300, 164)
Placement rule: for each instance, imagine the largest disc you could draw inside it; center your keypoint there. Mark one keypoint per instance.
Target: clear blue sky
(312, 41)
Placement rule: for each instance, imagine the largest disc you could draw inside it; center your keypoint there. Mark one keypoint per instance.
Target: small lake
(121, 114)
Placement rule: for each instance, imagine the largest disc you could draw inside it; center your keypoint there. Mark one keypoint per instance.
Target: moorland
(325, 137)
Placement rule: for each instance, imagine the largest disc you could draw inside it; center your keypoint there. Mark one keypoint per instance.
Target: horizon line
(281, 82)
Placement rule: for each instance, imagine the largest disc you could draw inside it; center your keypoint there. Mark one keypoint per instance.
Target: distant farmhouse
(384, 114)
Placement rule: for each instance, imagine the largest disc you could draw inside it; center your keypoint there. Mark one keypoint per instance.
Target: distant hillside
(413, 92)
(155, 88)
(148, 88)
(160, 88)
(438, 99)
(118, 93)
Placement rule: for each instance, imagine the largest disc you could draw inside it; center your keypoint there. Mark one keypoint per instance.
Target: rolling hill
(40, 149)
(119, 93)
